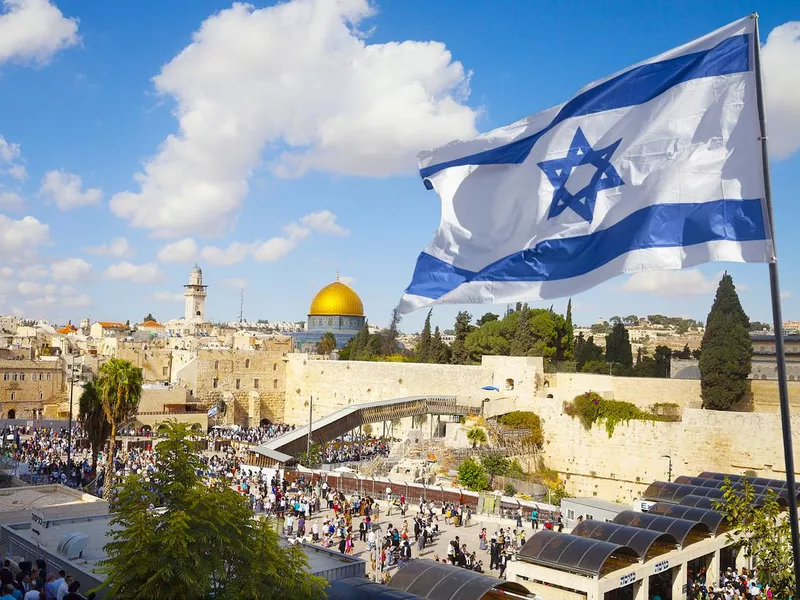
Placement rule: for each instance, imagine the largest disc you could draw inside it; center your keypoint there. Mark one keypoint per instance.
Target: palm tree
(95, 424)
(476, 435)
(120, 387)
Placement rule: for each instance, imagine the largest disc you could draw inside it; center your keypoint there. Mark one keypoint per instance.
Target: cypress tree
(726, 350)
(460, 355)
(618, 346)
(440, 352)
(568, 341)
(424, 346)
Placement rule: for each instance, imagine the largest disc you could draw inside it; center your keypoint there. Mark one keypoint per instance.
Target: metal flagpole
(777, 318)
(69, 426)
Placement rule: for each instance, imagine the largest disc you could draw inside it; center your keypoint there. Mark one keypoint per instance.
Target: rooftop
(597, 503)
(26, 363)
(57, 501)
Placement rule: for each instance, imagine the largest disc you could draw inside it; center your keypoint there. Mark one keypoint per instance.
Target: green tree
(472, 475)
(120, 388)
(523, 419)
(523, 339)
(486, 318)
(389, 339)
(568, 338)
(726, 350)
(684, 354)
(495, 466)
(631, 320)
(589, 352)
(462, 328)
(759, 326)
(327, 343)
(149, 317)
(439, 352)
(618, 346)
(201, 542)
(94, 422)
(764, 533)
(491, 338)
(423, 350)
(476, 435)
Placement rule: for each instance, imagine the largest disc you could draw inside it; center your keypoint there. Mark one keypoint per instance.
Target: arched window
(216, 364)
(247, 364)
(12, 414)
(509, 384)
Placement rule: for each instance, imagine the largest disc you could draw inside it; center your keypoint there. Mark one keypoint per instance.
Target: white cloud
(184, 250)
(780, 57)
(65, 190)
(21, 238)
(34, 272)
(324, 221)
(34, 30)
(70, 269)
(277, 247)
(118, 247)
(145, 273)
(67, 297)
(688, 282)
(11, 201)
(347, 279)
(238, 283)
(224, 257)
(297, 75)
(30, 288)
(786, 294)
(11, 157)
(168, 297)
(6, 272)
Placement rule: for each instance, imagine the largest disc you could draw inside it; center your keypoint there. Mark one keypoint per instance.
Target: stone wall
(156, 398)
(27, 387)
(336, 384)
(252, 383)
(156, 363)
(621, 466)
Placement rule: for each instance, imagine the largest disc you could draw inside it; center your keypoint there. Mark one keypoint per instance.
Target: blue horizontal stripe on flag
(657, 226)
(636, 86)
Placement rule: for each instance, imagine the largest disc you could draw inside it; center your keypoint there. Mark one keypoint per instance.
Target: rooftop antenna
(241, 305)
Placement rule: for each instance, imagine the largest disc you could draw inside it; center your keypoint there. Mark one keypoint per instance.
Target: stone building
(155, 362)
(27, 386)
(249, 386)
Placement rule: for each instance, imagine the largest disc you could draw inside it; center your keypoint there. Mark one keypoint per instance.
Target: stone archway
(12, 413)
(265, 423)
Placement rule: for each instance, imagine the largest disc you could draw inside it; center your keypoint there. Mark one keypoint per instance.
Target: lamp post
(69, 426)
(669, 469)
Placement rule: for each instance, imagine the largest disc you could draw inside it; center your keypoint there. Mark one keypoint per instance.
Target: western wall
(589, 461)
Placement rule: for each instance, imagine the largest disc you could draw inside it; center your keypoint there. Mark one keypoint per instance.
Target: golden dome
(337, 299)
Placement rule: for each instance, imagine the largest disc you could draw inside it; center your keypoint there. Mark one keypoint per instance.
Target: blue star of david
(558, 171)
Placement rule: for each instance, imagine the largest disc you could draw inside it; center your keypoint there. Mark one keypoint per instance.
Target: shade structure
(576, 554)
(714, 520)
(358, 588)
(647, 543)
(439, 581)
(763, 481)
(739, 486)
(664, 491)
(683, 530)
(696, 501)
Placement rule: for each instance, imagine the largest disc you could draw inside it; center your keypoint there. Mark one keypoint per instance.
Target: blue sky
(276, 147)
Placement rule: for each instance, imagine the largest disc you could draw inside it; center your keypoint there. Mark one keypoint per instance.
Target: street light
(669, 472)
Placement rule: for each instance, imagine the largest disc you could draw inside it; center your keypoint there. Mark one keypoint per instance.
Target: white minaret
(195, 294)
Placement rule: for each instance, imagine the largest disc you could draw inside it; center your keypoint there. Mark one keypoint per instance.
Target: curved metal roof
(775, 484)
(577, 554)
(682, 530)
(714, 520)
(711, 503)
(358, 588)
(673, 492)
(760, 490)
(647, 543)
(439, 581)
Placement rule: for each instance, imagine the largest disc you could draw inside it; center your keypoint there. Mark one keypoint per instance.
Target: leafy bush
(592, 408)
(515, 470)
(524, 419)
(472, 475)
(509, 490)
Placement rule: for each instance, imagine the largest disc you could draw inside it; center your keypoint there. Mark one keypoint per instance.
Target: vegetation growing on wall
(524, 419)
(591, 408)
(472, 475)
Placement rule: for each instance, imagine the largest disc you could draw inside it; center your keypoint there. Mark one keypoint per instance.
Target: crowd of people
(33, 581)
(354, 451)
(733, 584)
(251, 435)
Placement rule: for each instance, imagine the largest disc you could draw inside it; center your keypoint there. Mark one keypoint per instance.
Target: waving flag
(656, 167)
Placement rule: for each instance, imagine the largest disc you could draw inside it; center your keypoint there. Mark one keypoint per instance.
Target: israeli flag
(212, 412)
(656, 167)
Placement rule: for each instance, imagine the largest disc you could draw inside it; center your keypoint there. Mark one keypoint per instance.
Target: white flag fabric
(212, 412)
(656, 167)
